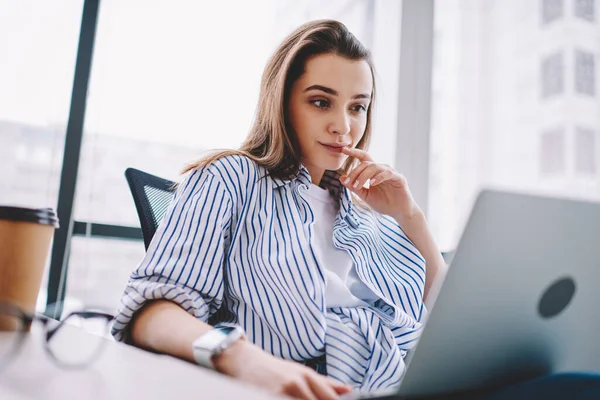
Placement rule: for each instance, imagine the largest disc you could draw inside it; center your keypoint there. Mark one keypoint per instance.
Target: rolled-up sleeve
(184, 262)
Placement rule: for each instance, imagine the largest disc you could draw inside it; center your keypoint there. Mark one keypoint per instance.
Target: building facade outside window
(508, 103)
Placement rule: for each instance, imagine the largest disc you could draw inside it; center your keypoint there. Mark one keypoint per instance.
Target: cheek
(358, 129)
(309, 125)
(303, 130)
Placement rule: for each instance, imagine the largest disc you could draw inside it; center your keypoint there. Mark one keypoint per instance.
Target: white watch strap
(215, 342)
(203, 356)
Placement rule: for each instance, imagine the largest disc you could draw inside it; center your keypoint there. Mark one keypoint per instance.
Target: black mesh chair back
(152, 196)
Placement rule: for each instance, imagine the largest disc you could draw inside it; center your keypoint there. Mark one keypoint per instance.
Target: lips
(334, 147)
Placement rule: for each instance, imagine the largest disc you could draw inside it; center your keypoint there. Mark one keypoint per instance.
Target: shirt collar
(331, 182)
(302, 175)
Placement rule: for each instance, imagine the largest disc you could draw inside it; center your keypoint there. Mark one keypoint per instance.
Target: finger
(367, 174)
(357, 153)
(381, 177)
(361, 192)
(299, 389)
(351, 177)
(321, 387)
(339, 387)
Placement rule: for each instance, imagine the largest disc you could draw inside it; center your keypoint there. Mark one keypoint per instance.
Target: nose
(340, 123)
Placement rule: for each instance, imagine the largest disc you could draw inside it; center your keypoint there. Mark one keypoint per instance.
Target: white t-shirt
(344, 287)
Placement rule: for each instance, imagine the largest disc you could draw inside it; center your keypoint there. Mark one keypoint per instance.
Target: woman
(317, 251)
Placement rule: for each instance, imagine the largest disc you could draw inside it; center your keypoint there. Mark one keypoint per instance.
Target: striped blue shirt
(234, 246)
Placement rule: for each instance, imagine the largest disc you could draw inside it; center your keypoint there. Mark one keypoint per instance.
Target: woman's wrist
(418, 232)
(409, 220)
(229, 360)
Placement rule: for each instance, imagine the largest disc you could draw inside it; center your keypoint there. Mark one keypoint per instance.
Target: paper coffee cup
(25, 236)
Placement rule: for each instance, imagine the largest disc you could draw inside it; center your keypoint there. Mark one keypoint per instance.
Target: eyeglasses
(59, 344)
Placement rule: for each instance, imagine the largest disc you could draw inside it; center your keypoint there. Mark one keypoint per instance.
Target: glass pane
(585, 9)
(552, 10)
(586, 151)
(98, 271)
(161, 95)
(38, 43)
(585, 73)
(38, 47)
(504, 115)
(553, 75)
(552, 152)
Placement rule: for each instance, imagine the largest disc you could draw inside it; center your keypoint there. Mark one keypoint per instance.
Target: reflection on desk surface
(121, 372)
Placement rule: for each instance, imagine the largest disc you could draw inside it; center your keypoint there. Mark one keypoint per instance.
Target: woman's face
(328, 110)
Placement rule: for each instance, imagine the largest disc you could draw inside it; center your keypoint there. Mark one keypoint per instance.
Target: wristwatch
(215, 341)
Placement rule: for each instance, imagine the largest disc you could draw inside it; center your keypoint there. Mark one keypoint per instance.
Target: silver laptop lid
(521, 298)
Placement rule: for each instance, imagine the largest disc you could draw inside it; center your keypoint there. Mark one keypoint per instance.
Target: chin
(327, 161)
(333, 166)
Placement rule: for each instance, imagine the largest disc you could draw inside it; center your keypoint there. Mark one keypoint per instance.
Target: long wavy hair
(272, 143)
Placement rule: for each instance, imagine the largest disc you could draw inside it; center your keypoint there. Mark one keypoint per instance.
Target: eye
(359, 108)
(321, 103)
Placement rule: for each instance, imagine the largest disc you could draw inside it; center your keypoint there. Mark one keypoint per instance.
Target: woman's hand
(388, 191)
(251, 364)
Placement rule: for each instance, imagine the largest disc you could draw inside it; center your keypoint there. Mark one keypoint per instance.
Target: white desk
(121, 372)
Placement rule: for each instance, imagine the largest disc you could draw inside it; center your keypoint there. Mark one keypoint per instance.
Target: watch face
(225, 329)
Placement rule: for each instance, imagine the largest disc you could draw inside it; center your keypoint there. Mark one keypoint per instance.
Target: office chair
(152, 196)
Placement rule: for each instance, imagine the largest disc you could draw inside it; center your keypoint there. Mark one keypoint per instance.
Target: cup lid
(45, 216)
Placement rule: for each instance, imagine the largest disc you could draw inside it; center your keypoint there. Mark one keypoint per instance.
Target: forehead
(348, 77)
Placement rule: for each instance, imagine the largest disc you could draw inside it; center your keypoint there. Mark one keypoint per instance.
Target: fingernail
(355, 185)
(372, 182)
(346, 181)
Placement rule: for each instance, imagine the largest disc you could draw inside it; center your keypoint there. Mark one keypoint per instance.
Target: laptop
(521, 298)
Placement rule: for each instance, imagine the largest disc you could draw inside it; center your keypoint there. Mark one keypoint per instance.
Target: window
(495, 127)
(585, 73)
(99, 269)
(584, 9)
(585, 151)
(552, 152)
(38, 46)
(553, 71)
(38, 43)
(552, 10)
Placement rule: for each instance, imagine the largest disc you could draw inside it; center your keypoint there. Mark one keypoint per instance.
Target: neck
(316, 174)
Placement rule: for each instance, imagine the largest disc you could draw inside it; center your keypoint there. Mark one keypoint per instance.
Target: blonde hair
(272, 142)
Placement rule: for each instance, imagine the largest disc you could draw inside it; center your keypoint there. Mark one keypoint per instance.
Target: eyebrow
(334, 92)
